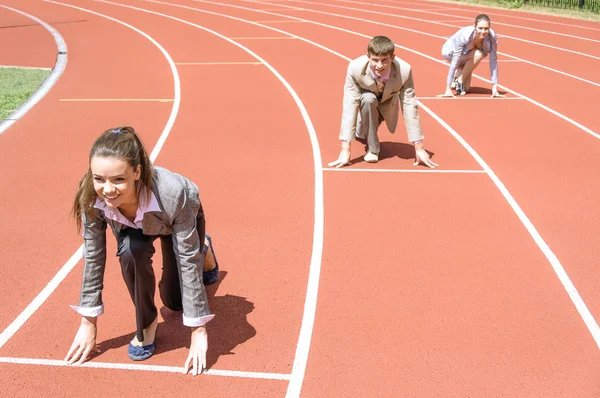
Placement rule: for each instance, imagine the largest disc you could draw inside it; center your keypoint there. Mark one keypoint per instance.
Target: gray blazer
(179, 201)
(399, 91)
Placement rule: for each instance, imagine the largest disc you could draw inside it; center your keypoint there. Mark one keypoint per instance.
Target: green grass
(518, 5)
(17, 85)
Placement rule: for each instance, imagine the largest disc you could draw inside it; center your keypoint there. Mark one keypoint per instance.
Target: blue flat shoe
(139, 353)
(210, 277)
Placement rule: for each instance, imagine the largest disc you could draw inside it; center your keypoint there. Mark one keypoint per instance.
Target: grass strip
(17, 85)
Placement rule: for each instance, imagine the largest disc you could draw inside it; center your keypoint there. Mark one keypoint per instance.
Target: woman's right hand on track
(84, 342)
(447, 94)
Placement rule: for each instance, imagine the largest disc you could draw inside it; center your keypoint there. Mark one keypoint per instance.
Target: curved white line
(499, 52)
(59, 67)
(426, 21)
(142, 367)
(174, 72)
(72, 262)
(295, 386)
(568, 285)
(310, 302)
(469, 19)
(417, 31)
(551, 69)
(560, 115)
(498, 14)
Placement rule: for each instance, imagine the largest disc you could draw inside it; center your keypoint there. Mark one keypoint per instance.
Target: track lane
(40, 222)
(551, 290)
(515, 15)
(201, 148)
(430, 46)
(27, 43)
(543, 384)
(458, 17)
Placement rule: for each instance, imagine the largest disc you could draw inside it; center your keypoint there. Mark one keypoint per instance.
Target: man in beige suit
(375, 85)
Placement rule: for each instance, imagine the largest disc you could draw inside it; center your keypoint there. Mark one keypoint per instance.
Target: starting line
(150, 368)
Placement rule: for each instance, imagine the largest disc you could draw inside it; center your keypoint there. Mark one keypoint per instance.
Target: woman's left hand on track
(198, 348)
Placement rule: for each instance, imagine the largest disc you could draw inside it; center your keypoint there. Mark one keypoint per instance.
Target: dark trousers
(135, 251)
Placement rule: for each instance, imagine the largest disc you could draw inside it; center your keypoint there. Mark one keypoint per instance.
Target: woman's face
(114, 180)
(482, 29)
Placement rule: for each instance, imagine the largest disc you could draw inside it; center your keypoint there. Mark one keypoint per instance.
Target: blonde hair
(121, 143)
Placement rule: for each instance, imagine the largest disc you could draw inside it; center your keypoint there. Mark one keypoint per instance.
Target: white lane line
(460, 97)
(218, 63)
(443, 20)
(406, 170)
(441, 24)
(468, 20)
(72, 262)
(568, 285)
(175, 73)
(115, 100)
(262, 38)
(40, 298)
(142, 367)
(440, 37)
(476, 10)
(280, 21)
(310, 302)
(59, 67)
(536, 103)
(295, 386)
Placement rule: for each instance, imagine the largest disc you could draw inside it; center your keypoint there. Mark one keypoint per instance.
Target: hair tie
(116, 131)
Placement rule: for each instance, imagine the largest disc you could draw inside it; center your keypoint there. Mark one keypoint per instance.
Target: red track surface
(430, 285)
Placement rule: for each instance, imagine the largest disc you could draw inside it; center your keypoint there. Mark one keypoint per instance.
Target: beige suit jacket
(399, 90)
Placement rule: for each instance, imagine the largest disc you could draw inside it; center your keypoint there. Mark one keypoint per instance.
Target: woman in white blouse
(465, 50)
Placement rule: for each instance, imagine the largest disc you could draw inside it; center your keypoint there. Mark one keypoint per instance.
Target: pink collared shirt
(144, 206)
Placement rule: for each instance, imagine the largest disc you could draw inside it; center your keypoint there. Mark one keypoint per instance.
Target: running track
(476, 279)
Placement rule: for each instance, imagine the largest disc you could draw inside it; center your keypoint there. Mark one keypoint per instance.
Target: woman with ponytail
(464, 50)
(142, 202)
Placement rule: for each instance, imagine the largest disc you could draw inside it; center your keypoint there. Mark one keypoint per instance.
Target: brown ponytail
(121, 143)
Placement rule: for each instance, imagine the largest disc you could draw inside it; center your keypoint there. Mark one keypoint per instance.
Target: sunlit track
(39, 300)
(140, 367)
(310, 306)
(421, 20)
(466, 19)
(442, 37)
(533, 101)
(581, 307)
(452, 7)
(412, 267)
